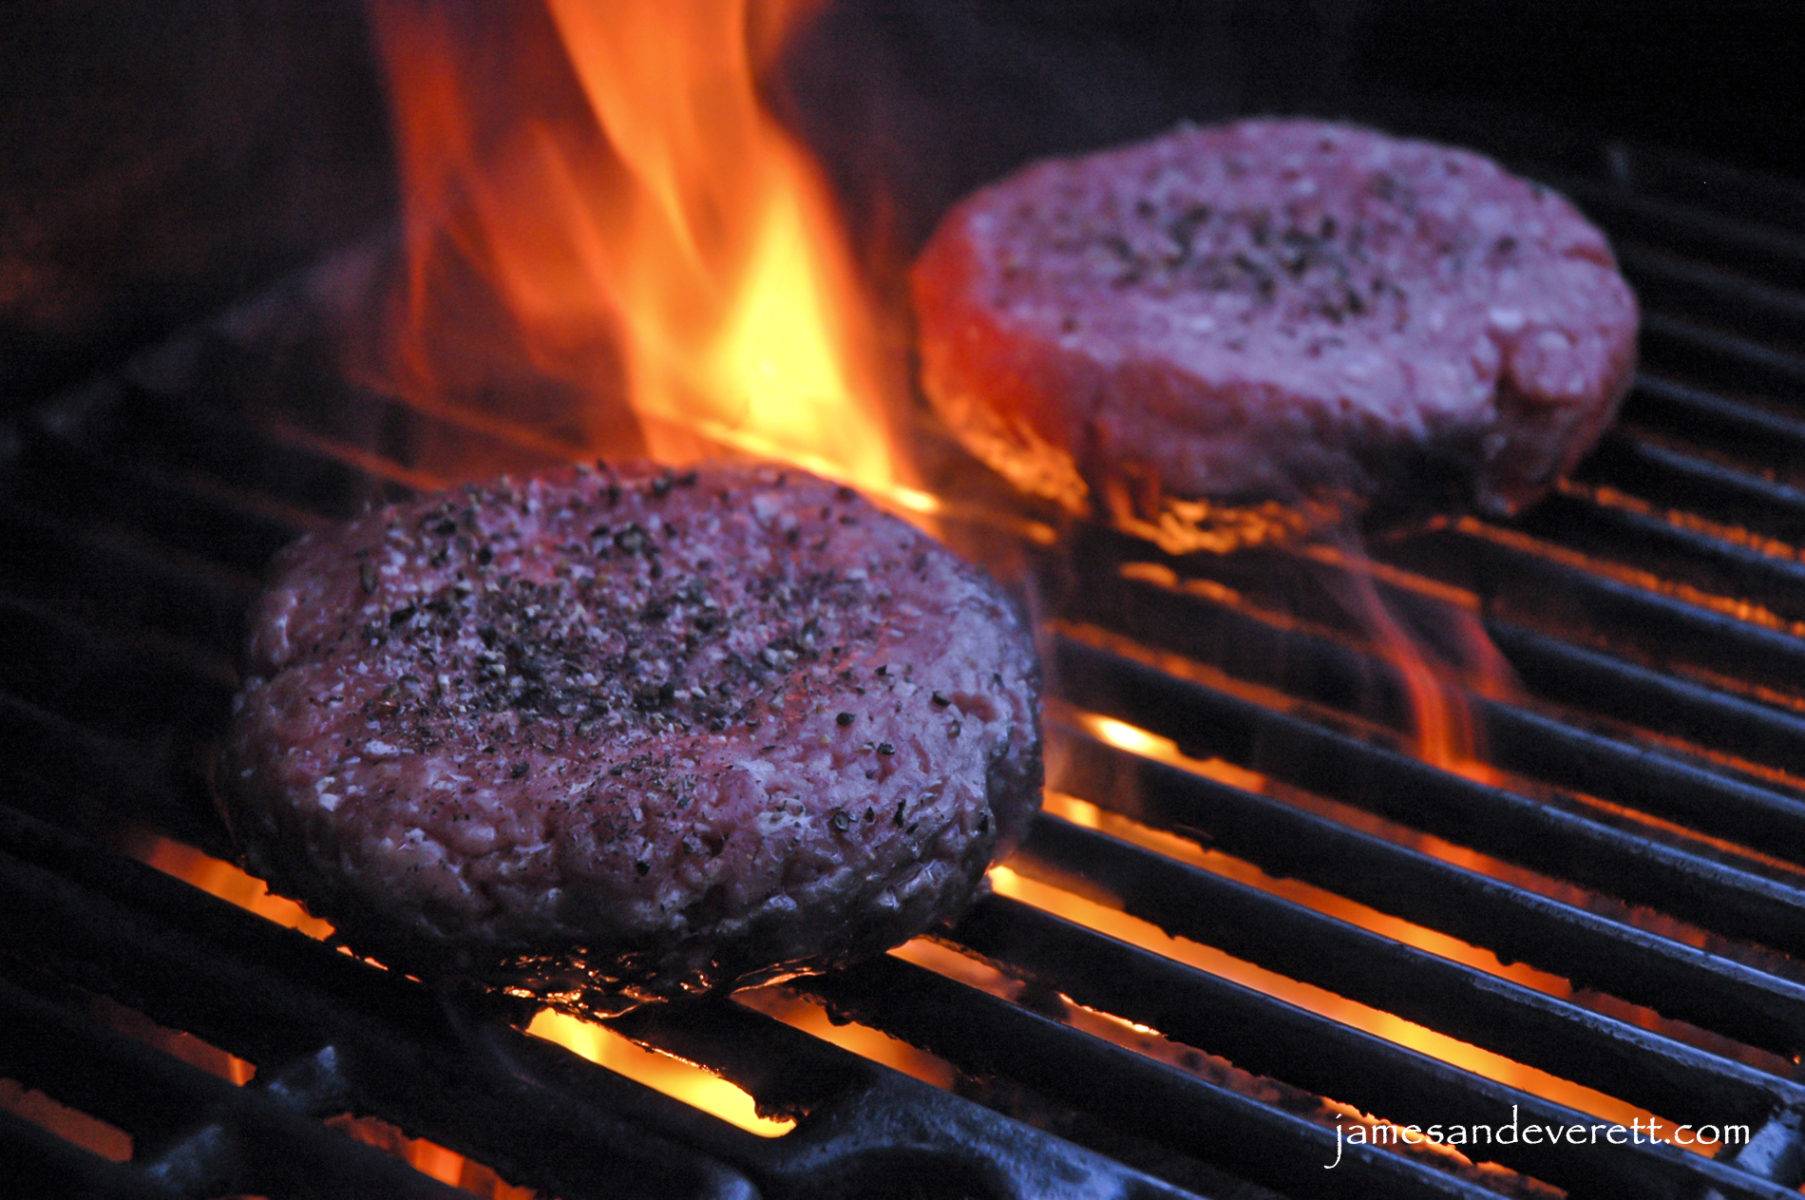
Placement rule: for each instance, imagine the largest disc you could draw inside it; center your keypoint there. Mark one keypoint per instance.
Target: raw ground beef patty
(608, 735)
(1275, 310)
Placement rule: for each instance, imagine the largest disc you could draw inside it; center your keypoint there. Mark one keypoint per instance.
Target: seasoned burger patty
(612, 734)
(1275, 310)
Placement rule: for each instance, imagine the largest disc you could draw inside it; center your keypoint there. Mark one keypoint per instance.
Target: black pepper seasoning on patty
(571, 740)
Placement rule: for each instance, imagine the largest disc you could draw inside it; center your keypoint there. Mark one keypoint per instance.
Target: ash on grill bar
(1451, 857)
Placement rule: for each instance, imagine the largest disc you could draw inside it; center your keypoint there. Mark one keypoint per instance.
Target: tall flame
(661, 210)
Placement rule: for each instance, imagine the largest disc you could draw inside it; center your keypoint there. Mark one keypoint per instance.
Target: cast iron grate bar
(1667, 282)
(1271, 1037)
(1588, 683)
(54, 561)
(985, 1035)
(1312, 667)
(79, 483)
(1679, 480)
(39, 1163)
(271, 1148)
(1485, 1010)
(1713, 894)
(1706, 183)
(1645, 540)
(1659, 628)
(1756, 249)
(270, 995)
(1716, 421)
(113, 681)
(1517, 924)
(1706, 352)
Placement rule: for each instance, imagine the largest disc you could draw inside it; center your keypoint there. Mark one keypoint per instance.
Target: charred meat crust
(613, 734)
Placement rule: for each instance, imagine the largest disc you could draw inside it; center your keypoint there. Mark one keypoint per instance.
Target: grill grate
(1637, 840)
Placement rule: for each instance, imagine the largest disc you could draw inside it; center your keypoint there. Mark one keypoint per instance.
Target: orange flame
(662, 210)
(1441, 680)
(1446, 730)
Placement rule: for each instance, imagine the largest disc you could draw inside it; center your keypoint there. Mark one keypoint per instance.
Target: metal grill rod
(1576, 846)
(1269, 1037)
(1519, 925)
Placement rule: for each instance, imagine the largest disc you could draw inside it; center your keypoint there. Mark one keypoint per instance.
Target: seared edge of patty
(1274, 309)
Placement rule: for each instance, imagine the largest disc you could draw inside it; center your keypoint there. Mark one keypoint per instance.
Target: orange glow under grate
(672, 1076)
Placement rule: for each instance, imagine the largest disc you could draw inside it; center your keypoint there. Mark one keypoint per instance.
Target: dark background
(159, 158)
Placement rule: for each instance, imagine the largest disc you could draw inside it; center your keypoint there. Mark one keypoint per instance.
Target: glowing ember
(781, 1004)
(674, 1077)
(429, 1158)
(220, 878)
(72, 1125)
(1136, 740)
(1082, 812)
(1128, 737)
(670, 216)
(1393, 1028)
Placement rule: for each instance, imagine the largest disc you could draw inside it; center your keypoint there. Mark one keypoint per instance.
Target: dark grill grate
(1643, 840)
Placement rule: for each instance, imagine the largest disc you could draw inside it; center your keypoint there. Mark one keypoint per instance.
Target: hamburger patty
(1275, 310)
(608, 735)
